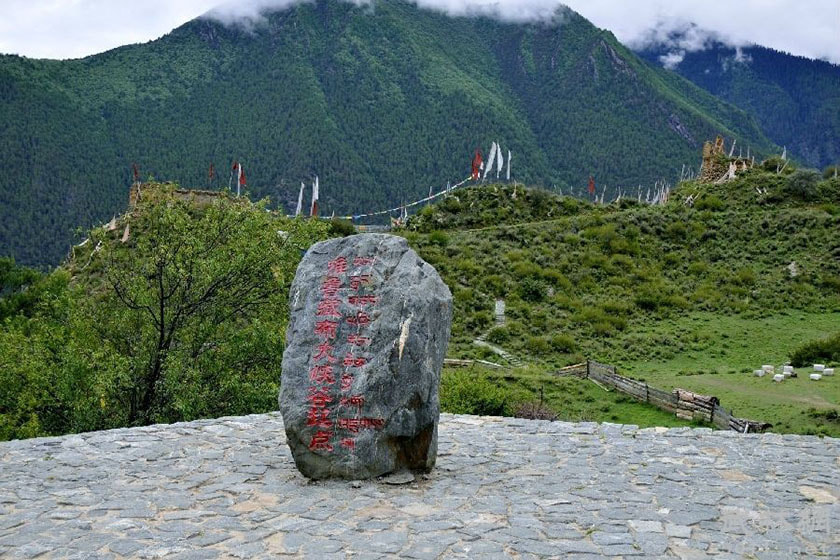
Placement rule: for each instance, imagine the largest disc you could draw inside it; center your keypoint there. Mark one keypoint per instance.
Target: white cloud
(76, 28)
(73, 28)
(808, 29)
(672, 59)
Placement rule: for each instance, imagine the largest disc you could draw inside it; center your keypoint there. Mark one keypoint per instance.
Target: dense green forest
(796, 100)
(381, 102)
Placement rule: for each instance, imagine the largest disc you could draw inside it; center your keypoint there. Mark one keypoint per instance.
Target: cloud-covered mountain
(795, 100)
(381, 101)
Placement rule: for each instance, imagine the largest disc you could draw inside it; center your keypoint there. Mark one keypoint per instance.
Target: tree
(17, 292)
(179, 295)
(802, 184)
(185, 319)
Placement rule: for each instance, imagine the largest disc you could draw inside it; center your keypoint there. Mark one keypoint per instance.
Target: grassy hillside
(379, 102)
(694, 297)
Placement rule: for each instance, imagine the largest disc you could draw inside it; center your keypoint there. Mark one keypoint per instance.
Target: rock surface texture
(369, 327)
(502, 488)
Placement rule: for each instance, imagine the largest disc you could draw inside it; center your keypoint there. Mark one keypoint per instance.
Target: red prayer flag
(591, 185)
(476, 164)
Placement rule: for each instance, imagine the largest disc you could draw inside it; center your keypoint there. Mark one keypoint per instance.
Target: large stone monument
(369, 327)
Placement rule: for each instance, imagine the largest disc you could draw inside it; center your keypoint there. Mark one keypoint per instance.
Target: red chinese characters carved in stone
(321, 441)
(351, 424)
(361, 301)
(354, 361)
(357, 281)
(319, 397)
(325, 353)
(355, 400)
(360, 319)
(348, 443)
(356, 424)
(330, 286)
(328, 308)
(319, 417)
(322, 374)
(358, 340)
(373, 423)
(362, 261)
(326, 329)
(337, 266)
(346, 382)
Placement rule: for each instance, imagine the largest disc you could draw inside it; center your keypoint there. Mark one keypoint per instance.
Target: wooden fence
(683, 404)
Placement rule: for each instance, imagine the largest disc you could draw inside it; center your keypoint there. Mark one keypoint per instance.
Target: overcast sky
(76, 28)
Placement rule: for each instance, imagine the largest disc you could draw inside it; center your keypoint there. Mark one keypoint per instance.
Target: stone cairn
(370, 323)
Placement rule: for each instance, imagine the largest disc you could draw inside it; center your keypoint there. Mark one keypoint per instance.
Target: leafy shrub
(527, 269)
(676, 231)
(802, 184)
(831, 283)
(341, 228)
(538, 345)
(824, 350)
(621, 262)
(697, 268)
(556, 278)
(471, 392)
(478, 320)
(438, 238)
(615, 307)
(498, 335)
(532, 290)
(712, 203)
(563, 343)
(651, 298)
(829, 190)
(496, 285)
(535, 411)
(744, 277)
(776, 163)
(601, 321)
(451, 204)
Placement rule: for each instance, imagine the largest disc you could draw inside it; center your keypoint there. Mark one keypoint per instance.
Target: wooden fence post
(587, 368)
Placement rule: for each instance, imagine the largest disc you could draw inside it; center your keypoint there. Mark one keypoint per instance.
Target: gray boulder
(368, 331)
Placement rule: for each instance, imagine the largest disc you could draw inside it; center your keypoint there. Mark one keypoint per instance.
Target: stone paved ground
(502, 488)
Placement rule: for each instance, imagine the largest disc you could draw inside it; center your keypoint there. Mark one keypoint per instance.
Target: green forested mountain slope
(796, 100)
(381, 102)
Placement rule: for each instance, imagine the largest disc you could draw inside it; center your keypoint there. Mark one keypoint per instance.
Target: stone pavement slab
(502, 488)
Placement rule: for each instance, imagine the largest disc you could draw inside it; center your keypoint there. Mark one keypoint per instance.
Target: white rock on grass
(778, 377)
(787, 369)
(816, 377)
(828, 371)
(769, 369)
(759, 373)
(819, 367)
